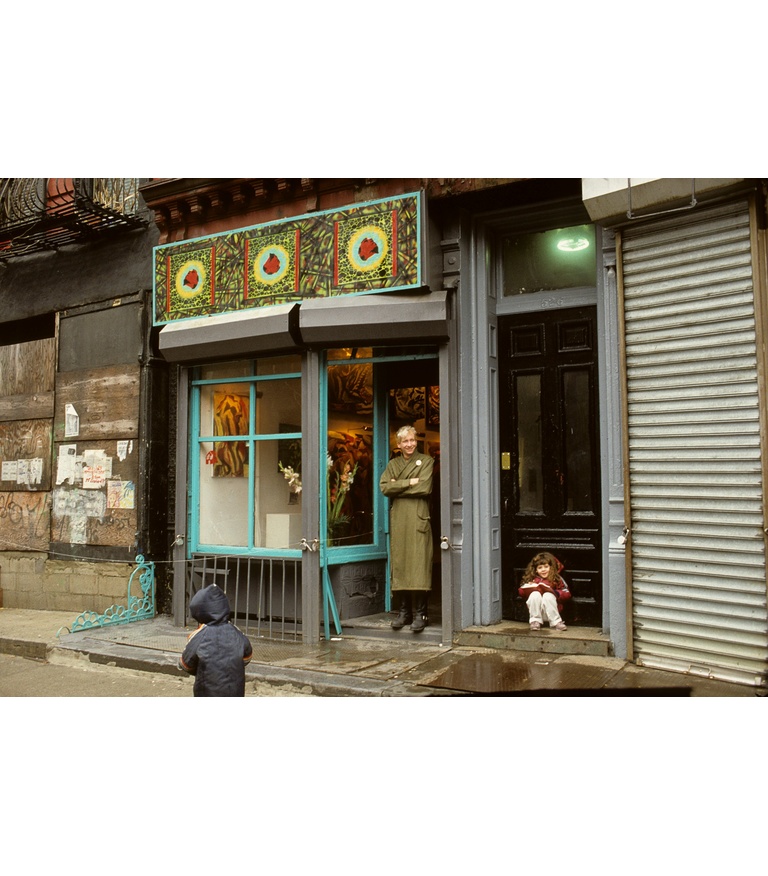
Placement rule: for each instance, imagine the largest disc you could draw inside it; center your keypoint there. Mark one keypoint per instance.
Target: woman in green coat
(407, 481)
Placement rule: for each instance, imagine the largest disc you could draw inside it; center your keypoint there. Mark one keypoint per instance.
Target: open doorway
(371, 393)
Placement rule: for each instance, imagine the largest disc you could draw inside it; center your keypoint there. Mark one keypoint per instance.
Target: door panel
(550, 473)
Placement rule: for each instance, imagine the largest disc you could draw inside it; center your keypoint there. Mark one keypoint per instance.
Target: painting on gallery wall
(231, 418)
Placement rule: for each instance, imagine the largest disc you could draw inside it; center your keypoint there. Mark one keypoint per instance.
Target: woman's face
(542, 570)
(407, 444)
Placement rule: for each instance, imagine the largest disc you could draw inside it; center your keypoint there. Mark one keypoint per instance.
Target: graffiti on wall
(25, 520)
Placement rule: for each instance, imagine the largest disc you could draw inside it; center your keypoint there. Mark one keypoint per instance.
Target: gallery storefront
(304, 343)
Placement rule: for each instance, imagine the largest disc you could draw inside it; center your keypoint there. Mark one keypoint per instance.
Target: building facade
(83, 438)
(584, 359)
(524, 346)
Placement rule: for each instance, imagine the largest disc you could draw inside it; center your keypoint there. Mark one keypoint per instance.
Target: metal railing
(39, 214)
(264, 593)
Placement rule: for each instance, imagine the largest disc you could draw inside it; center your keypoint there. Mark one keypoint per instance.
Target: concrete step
(514, 636)
(506, 635)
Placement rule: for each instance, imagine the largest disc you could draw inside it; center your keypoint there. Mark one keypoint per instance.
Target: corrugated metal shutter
(695, 472)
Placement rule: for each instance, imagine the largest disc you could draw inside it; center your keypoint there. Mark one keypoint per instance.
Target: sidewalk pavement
(354, 665)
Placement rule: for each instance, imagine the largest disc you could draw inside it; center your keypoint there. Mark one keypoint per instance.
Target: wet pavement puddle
(492, 674)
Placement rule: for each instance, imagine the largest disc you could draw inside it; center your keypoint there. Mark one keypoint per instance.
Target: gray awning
(258, 332)
(374, 319)
(377, 318)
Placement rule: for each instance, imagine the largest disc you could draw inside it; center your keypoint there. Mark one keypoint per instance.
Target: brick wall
(32, 581)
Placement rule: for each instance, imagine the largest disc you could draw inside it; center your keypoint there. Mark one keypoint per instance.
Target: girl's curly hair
(544, 557)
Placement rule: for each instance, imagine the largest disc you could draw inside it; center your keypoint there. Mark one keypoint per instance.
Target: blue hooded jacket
(217, 653)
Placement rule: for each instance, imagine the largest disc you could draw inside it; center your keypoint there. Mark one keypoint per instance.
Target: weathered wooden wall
(106, 400)
(27, 369)
(27, 378)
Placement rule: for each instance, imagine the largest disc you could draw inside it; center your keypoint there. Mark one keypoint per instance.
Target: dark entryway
(550, 454)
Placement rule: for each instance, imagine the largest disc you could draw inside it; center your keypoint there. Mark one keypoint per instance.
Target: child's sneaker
(561, 626)
(535, 625)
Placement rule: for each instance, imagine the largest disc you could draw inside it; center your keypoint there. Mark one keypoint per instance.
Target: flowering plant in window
(293, 477)
(339, 484)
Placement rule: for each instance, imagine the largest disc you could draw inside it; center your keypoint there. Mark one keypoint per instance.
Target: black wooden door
(550, 455)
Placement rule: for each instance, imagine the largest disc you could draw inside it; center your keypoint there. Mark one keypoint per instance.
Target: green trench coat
(409, 526)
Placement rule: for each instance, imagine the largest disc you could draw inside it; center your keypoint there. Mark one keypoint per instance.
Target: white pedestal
(283, 531)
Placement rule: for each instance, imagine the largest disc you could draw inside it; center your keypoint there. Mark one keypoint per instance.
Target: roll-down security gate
(694, 450)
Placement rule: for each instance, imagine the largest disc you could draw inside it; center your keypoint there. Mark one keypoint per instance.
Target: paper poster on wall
(29, 471)
(121, 494)
(97, 468)
(10, 469)
(71, 422)
(65, 470)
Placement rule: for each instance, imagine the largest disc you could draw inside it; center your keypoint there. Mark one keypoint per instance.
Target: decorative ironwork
(40, 214)
(138, 607)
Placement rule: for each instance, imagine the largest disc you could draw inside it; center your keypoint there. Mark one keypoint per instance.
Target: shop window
(247, 460)
(562, 258)
(349, 459)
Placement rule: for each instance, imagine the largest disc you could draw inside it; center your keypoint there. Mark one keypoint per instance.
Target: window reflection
(563, 258)
(349, 473)
(529, 443)
(578, 441)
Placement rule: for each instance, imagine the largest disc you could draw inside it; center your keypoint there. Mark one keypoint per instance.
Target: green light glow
(573, 244)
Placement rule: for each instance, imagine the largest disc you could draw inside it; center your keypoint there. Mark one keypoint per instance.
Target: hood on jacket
(210, 605)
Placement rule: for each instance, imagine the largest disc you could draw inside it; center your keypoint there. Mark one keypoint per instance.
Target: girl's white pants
(543, 607)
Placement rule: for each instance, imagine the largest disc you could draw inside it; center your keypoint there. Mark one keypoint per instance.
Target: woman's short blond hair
(403, 431)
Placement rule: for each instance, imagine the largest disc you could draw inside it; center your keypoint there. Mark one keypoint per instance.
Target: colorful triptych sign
(371, 247)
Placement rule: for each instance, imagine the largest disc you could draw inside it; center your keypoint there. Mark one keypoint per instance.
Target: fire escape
(45, 214)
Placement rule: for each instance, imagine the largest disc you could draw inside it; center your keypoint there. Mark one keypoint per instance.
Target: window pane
(223, 370)
(278, 406)
(559, 259)
(223, 501)
(250, 439)
(350, 353)
(578, 441)
(349, 487)
(279, 365)
(277, 521)
(529, 456)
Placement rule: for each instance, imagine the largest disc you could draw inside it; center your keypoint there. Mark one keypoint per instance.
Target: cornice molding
(181, 205)
(192, 207)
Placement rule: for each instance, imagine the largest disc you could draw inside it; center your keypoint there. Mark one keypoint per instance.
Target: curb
(314, 682)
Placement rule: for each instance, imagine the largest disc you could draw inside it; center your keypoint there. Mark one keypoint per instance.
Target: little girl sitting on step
(544, 591)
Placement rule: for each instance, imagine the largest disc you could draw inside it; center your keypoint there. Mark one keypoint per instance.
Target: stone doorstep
(505, 635)
(512, 636)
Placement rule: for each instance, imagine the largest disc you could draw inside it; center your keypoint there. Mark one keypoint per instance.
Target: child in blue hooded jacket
(217, 652)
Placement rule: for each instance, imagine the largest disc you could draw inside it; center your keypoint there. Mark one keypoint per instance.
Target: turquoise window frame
(196, 439)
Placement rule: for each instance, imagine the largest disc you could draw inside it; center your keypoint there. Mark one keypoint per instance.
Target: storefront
(491, 326)
(304, 344)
